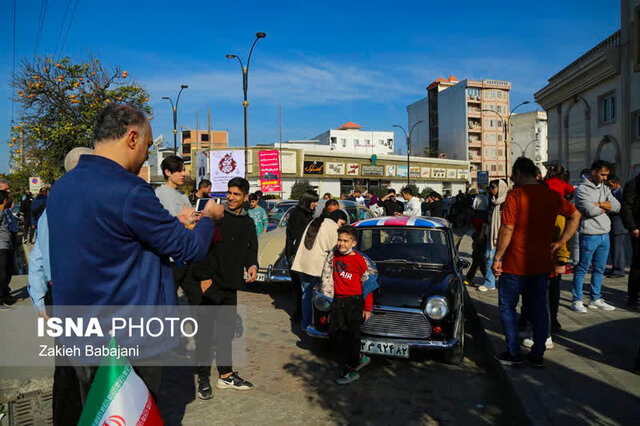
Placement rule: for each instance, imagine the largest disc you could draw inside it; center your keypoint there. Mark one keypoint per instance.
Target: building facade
(342, 172)
(202, 140)
(469, 124)
(593, 104)
(529, 137)
(350, 138)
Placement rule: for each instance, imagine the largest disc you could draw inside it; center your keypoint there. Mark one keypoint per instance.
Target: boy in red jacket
(349, 309)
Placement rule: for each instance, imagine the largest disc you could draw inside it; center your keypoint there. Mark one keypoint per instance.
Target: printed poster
(269, 162)
(201, 166)
(224, 165)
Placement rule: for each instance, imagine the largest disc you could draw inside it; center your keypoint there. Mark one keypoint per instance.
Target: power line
(64, 20)
(13, 69)
(73, 14)
(43, 13)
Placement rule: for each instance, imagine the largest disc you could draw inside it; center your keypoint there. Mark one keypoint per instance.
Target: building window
(493, 167)
(493, 137)
(500, 168)
(607, 109)
(186, 148)
(499, 137)
(204, 138)
(499, 123)
(473, 92)
(367, 142)
(186, 134)
(380, 142)
(500, 153)
(356, 142)
(343, 142)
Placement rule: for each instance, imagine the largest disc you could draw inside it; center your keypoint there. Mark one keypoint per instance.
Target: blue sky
(325, 62)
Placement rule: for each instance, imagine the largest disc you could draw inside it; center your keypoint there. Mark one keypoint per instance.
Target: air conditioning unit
(442, 155)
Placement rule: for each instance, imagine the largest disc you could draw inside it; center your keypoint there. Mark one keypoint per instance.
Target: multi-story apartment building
(465, 123)
(593, 104)
(202, 139)
(529, 137)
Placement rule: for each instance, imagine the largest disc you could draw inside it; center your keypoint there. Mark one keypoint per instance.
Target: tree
(299, 188)
(58, 102)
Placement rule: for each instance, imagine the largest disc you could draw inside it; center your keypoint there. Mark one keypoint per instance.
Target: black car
(419, 302)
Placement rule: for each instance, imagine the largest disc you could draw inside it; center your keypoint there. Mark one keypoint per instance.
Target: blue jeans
(308, 283)
(593, 249)
(489, 278)
(534, 289)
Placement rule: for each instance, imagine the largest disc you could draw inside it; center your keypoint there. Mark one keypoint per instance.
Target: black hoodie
(227, 258)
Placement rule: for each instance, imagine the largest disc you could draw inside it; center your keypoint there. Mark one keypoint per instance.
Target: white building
(529, 137)
(349, 138)
(593, 104)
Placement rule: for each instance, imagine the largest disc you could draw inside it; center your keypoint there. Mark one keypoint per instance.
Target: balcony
(474, 99)
(474, 112)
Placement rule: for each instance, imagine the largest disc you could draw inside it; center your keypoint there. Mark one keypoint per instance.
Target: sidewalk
(588, 376)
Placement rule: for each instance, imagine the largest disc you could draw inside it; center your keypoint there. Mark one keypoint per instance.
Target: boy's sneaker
(234, 382)
(348, 377)
(364, 361)
(535, 361)
(204, 388)
(528, 343)
(485, 288)
(506, 358)
(578, 306)
(601, 304)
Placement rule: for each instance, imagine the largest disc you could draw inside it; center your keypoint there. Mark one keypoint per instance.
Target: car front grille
(392, 323)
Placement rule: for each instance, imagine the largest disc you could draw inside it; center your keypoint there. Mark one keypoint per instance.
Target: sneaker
(364, 361)
(9, 300)
(528, 343)
(578, 306)
(234, 382)
(506, 358)
(204, 388)
(535, 361)
(601, 304)
(485, 288)
(348, 377)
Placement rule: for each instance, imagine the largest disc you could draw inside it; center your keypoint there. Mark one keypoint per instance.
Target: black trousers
(183, 277)
(6, 271)
(618, 256)
(554, 298)
(344, 327)
(634, 275)
(222, 324)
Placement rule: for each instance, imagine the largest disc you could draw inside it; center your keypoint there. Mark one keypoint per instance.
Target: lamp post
(506, 129)
(408, 136)
(523, 151)
(175, 117)
(245, 87)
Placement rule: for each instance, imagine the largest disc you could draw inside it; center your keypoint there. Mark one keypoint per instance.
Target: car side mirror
(463, 264)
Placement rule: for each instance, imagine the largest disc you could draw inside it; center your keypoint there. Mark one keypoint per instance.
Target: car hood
(270, 246)
(409, 287)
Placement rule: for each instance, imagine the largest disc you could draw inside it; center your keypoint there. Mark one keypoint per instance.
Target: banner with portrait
(224, 165)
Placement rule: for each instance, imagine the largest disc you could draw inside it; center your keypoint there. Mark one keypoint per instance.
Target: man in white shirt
(413, 207)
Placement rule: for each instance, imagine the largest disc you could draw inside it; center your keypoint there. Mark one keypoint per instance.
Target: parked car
(273, 263)
(419, 302)
(277, 211)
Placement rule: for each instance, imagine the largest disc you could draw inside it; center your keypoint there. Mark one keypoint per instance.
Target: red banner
(269, 162)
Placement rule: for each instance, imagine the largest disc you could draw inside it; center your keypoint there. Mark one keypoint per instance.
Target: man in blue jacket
(114, 248)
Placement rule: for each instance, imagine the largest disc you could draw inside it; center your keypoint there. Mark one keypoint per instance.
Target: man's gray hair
(113, 122)
(73, 156)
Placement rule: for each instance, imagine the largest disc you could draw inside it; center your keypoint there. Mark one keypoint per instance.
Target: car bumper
(413, 344)
(276, 275)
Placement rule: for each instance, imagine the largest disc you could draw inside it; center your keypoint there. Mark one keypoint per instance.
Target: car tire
(455, 355)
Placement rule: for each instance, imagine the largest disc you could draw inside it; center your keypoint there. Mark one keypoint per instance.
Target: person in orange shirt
(524, 257)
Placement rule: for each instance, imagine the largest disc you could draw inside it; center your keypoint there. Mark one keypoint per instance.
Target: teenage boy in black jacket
(221, 275)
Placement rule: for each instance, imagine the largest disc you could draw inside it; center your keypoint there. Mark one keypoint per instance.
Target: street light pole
(174, 108)
(506, 124)
(245, 88)
(408, 136)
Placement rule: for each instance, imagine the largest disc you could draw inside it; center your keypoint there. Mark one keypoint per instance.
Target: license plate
(261, 277)
(400, 350)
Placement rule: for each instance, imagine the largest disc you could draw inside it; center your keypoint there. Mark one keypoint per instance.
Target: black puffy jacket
(630, 206)
(297, 223)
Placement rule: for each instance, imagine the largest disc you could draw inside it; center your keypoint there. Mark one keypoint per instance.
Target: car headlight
(437, 307)
(321, 302)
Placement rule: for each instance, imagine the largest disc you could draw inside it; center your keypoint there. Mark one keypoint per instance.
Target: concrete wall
(420, 137)
(529, 136)
(350, 137)
(452, 126)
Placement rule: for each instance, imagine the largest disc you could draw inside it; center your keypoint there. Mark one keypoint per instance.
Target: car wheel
(455, 355)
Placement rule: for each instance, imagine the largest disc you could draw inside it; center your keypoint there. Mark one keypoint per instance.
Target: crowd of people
(155, 243)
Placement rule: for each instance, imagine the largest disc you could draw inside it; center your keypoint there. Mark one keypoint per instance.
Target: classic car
(277, 211)
(419, 302)
(274, 266)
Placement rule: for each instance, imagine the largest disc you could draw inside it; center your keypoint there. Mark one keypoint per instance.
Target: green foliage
(425, 192)
(58, 102)
(299, 188)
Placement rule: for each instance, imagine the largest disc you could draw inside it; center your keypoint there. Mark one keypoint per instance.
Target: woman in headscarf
(300, 217)
(498, 189)
(318, 240)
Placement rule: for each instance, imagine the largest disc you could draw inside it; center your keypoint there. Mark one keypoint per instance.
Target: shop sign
(353, 169)
(438, 173)
(372, 171)
(313, 167)
(425, 172)
(335, 168)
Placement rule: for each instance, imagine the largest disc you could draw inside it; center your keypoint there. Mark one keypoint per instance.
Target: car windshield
(419, 245)
(278, 211)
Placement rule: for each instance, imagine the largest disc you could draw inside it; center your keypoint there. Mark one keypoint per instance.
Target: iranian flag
(118, 397)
